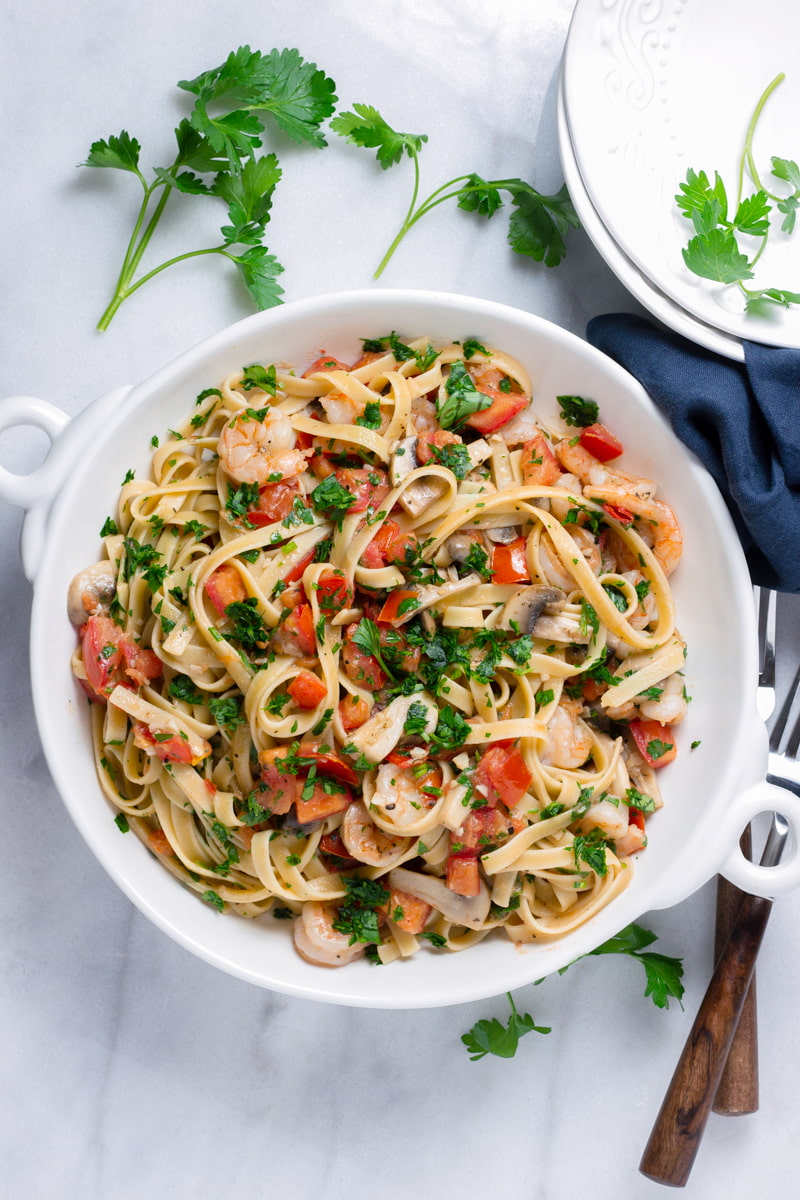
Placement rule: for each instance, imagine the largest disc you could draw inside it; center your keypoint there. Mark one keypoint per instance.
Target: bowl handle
(27, 490)
(752, 877)
(36, 491)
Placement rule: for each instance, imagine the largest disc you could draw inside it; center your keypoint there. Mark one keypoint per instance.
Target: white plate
(653, 88)
(648, 295)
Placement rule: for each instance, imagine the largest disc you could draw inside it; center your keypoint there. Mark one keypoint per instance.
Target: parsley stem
(439, 196)
(747, 153)
(135, 250)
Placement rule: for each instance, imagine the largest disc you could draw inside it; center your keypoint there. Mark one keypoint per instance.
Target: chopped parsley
(241, 500)
(371, 416)
(258, 376)
(357, 916)
(462, 398)
(182, 688)
(248, 625)
(332, 499)
(578, 412)
(455, 457)
(416, 719)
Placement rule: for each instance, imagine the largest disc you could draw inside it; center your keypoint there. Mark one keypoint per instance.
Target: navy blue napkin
(742, 420)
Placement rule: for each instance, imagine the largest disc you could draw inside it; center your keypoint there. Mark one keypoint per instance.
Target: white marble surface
(129, 1068)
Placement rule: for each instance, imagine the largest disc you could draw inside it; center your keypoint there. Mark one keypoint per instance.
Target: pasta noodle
(377, 650)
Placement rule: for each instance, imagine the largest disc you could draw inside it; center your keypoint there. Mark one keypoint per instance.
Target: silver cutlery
(679, 1126)
(737, 1093)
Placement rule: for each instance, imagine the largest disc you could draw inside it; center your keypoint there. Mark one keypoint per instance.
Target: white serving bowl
(709, 792)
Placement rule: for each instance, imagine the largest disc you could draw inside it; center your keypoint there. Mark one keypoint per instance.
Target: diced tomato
(332, 846)
(111, 657)
(275, 501)
(503, 774)
(623, 515)
(654, 742)
(280, 788)
(510, 563)
(329, 763)
(307, 690)
(442, 437)
(334, 591)
(326, 799)
(321, 466)
(592, 689)
(169, 747)
(359, 666)
(369, 485)
(462, 875)
(539, 464)
(295, 634)
(504, 407)
(484, 827)
(389, 545)
(400, 758)
(141, 665)
(636, 818)
(225, 586)
(390, 611)
(101, 653)
(296, 572)
(600, 442)
(325, 362)
(158, 842)
(408, 912)
(353, 712)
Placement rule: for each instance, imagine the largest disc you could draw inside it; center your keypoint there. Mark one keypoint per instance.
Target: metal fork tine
(782, 719)
(766, 603)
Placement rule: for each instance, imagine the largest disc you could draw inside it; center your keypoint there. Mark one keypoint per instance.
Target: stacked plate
(650, 89)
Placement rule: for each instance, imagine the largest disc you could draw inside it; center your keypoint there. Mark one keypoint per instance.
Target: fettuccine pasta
(376, 650)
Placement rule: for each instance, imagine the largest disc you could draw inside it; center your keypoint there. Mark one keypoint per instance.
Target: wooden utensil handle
(681, 1121)
(737, 1093)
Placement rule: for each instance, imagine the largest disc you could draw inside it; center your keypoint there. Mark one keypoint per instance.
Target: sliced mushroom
(458, 546)
(470, 911)
(378, 736)
(504, 535)
(421, 495)
(525, 608)
(91, 591)
(429, 594)
(404, 459)
(565, 627)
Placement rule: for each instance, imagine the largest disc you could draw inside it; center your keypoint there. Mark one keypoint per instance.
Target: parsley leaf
(248, 625)
(218, 155)
(492, 1037)
(358, 916)
(332, 499)
(663, 974)
(537, 226)
(714, 251)
(367, 637)
(577, 411)
(461, 399)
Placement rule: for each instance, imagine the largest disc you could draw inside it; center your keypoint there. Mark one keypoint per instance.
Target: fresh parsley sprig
(218, 154)
(492, 1037)
(663, 982)
(715, 251)
(538, 223)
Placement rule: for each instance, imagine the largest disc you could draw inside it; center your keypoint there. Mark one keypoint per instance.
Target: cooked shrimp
(609, 815)
(399, 795)
(646, 610)
(423, 415)
(635, 495)
(318, 942)
(588, 546)
(552, 569)
(366, 842)
(671, 706)
(341, 409)
(91, 591)
(254, 451)
(593, 474)
(558, 507)
(569, 741)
